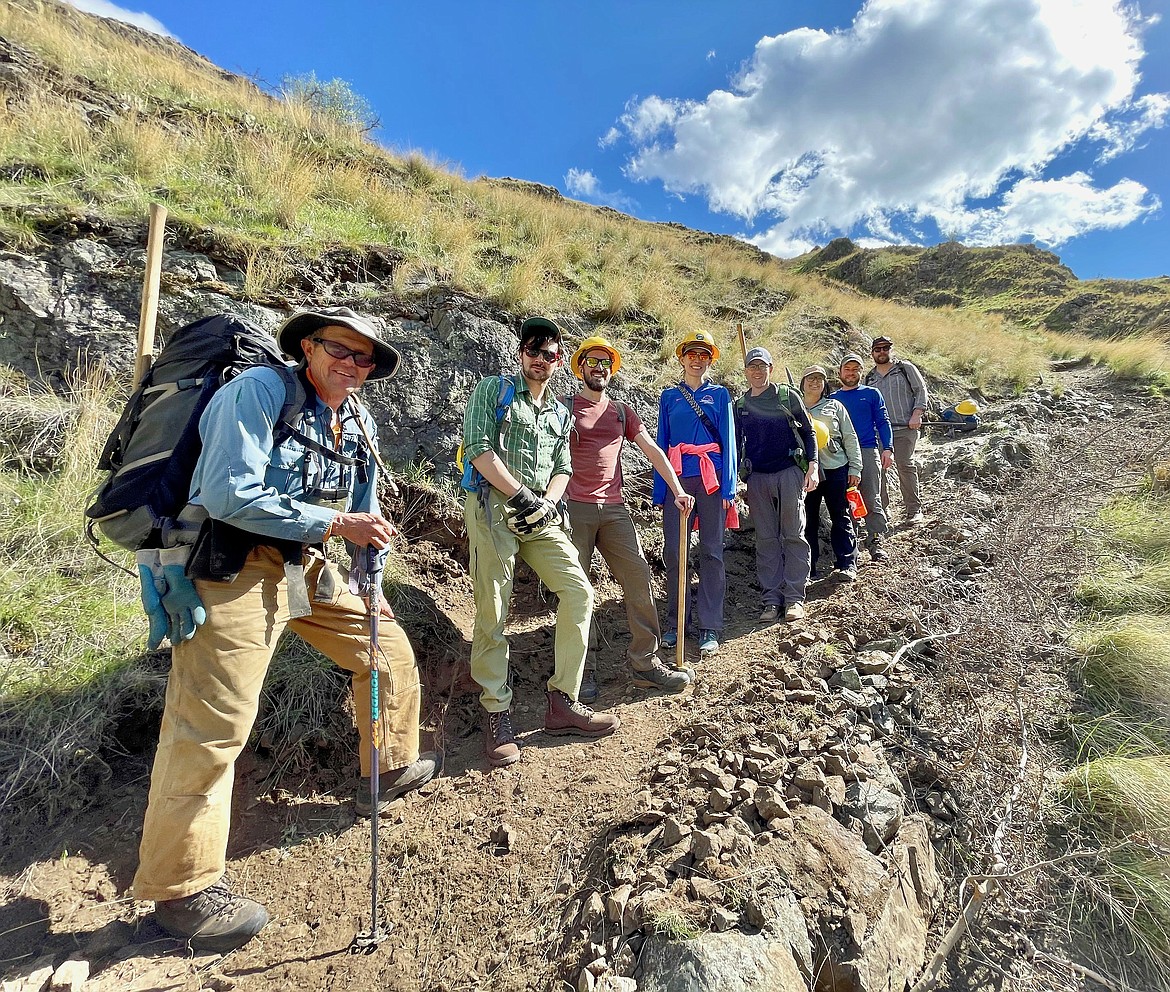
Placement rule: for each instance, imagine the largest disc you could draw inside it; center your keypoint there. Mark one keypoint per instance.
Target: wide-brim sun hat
(697, 338)
(595, 343)
(300, 325)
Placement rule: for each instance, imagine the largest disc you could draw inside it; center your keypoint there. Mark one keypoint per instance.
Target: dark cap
(300, 325)
(881, 339)
(762, 354)
(539, 327)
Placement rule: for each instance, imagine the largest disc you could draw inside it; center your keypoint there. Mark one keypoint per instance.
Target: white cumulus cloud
(140, 19)
(918, 112)
(584, 185)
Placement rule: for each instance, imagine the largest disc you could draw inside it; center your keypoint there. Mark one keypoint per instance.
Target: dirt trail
(478, 869)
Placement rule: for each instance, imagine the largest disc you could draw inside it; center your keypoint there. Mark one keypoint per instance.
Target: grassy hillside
(1022, 282)
(104, 118)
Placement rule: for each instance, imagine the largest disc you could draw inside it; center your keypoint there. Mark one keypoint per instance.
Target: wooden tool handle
(150, 279)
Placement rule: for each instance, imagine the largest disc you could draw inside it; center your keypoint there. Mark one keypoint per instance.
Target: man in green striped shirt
(522, 460)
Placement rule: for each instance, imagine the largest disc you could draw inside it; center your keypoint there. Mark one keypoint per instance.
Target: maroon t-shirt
(595, 445)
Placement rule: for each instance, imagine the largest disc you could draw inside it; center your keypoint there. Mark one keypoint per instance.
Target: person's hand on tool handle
(364, 529)
(685, 503)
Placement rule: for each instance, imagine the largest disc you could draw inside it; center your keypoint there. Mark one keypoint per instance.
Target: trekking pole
(683, 583)
(365, 941)
(150, 279)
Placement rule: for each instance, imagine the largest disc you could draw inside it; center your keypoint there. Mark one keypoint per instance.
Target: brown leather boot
(567, 716)
(499, 742)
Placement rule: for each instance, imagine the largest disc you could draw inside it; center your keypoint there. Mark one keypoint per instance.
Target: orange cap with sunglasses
(595, 343)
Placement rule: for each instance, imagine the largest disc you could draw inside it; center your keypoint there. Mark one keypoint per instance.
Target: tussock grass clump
(1126, 662)
(1124, 794)
(1141, 357)
(1122, 586)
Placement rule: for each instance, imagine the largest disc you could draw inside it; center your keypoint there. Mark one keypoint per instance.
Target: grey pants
(776, 502)
(712, 577)
(871, 488)
(609, 528)
(905, 441)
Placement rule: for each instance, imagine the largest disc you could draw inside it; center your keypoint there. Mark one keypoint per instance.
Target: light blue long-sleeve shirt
(678, 424)
(242, 479)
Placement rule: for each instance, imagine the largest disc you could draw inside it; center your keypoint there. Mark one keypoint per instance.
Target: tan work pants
(493, 553)
(609, 528)
(212, 696)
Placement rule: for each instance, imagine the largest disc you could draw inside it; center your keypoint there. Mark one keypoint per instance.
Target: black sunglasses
(880, 347)
(549, 356)
(340, 351)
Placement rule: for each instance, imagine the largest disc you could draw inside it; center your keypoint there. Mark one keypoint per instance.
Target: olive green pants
(493, 552)
(212, 697)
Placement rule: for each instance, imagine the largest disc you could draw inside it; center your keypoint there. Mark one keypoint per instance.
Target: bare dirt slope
(481, 873)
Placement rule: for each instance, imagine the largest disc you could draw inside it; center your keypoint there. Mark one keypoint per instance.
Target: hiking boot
(588, 691)
(844, 575)
(708, 642)
(669, 639)
(770, 614)
(213, 920)
(499, 742)
(568, 716)
(915, 518)
(661, 677)
(877, 551)
(794, 612)
(395, 784)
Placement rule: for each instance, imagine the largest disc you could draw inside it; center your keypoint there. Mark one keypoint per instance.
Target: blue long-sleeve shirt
(242, 478)
(678, 424)
(867, 410)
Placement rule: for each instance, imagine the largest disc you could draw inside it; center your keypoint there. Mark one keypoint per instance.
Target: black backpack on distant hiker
(151, 453)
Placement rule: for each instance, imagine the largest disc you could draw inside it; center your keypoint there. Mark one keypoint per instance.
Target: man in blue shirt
(264, 510)
(867, 410)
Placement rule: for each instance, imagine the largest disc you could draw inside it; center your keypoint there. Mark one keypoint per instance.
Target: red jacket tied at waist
(706, 466)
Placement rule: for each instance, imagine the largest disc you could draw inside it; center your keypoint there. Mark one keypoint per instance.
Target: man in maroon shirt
(599, 516)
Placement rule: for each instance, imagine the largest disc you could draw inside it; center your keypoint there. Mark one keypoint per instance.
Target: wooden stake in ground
(742, 343)
(684, 520)
(150, 279)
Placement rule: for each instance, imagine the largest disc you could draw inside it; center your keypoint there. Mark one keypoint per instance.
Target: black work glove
(526, 512)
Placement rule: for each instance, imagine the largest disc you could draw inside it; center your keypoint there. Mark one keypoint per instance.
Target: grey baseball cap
(758, 354)
(852, 357)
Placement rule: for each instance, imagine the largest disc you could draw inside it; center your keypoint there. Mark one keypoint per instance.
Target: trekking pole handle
(148, 312)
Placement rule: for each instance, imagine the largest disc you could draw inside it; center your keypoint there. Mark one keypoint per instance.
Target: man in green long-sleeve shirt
(522, 463)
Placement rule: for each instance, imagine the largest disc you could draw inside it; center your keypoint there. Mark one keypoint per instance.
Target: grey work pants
(712, 576)
(609, 528)
(905, 441)
(871, 490)
(776, 502)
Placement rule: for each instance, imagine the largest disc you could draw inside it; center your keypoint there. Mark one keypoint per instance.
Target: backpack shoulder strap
(296, 396)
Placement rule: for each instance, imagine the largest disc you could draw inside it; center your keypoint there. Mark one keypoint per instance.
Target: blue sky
(786, 123)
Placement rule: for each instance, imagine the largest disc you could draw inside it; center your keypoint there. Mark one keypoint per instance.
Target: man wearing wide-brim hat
(271, 485)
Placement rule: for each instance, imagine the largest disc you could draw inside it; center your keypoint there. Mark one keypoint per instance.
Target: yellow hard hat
(968, 408)
(698, 337)
(822, 432)
(588, 345)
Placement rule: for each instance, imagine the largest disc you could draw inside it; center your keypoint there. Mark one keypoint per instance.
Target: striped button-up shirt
(532, 441)
(903, 389)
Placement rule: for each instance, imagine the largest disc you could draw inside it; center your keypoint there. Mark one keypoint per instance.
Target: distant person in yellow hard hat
(840, 468)
(600, 518)
(778, 459)
(697, 432)
(906, 396)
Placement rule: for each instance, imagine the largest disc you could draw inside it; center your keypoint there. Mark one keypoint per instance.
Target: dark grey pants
(712, 577)
(776, 501)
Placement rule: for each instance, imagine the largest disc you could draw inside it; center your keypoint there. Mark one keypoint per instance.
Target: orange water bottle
(856, 503)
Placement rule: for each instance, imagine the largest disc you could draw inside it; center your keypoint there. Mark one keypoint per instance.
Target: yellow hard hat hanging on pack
(967, 408)
(822, 432)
